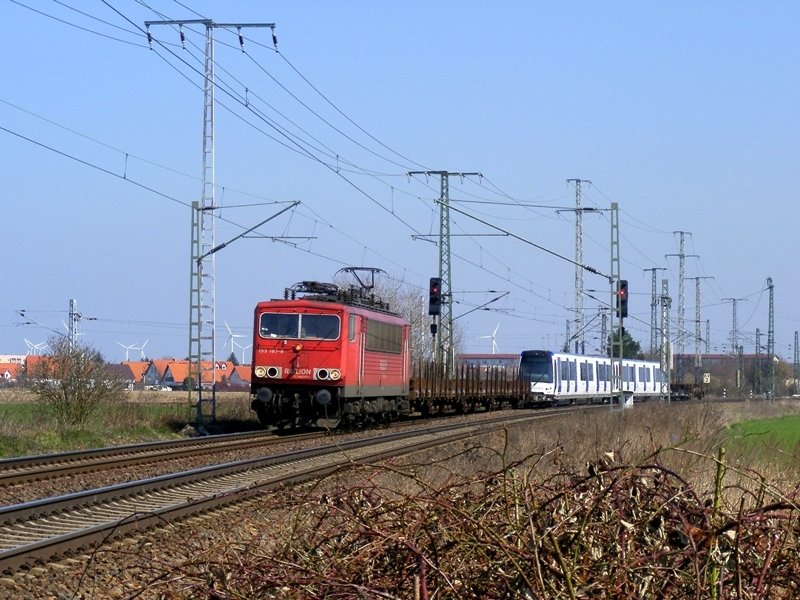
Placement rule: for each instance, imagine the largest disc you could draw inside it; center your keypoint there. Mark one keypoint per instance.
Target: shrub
(72, 381)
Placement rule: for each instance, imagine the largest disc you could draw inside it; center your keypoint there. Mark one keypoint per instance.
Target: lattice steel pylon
(579, 313)
(654, 329)
(72, 328)
(444, 351)
(666, 349)
(796, 363)
(202, 287)
(698, 361)
(757, 371)
(771, 340)
(680, 336)
(617, 374)
(202, 303)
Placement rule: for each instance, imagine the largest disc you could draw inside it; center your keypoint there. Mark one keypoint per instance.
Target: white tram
(576, 379)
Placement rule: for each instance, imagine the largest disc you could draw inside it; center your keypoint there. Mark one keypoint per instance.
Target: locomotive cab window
(319, 327)
(299, 326)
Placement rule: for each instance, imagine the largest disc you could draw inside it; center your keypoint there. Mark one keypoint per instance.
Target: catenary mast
(444, 351)
(202, 294)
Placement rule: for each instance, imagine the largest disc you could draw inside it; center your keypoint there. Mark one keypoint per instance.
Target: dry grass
(604, 505)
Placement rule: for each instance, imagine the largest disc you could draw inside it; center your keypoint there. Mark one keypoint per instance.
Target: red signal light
(622, 298)
(435, 296)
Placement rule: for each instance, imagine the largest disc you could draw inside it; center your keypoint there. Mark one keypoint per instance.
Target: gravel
(137, 566)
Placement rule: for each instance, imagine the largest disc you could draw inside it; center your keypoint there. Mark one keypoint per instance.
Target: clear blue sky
(686, 114)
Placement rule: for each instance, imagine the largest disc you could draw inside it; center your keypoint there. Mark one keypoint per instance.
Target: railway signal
(622, 298)
(435, 296)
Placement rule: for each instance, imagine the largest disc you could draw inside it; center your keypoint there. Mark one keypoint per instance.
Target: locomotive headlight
(321, 374)
(273, 372)
(261, 371)
(335, 374)
(298, 347)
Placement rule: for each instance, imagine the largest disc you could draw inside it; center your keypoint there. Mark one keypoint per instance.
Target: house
(178, 371)
(9, 372)
(123, 372)
(138, 369)
(154, 374)
(175, 373)
(240, 378)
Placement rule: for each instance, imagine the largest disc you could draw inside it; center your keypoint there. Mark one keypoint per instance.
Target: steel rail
(36, 531)
(32, 468)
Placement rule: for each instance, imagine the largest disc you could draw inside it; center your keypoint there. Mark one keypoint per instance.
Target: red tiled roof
(162, 364)
(180, 370)
(243, 372)
(33, 360)
(12, 369)
(138, 368)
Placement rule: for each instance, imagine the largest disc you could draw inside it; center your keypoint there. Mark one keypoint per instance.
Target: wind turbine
(493, 336)
(35, 349)
(141, 349)
(232, 338)
(243, 348)
(127, 350)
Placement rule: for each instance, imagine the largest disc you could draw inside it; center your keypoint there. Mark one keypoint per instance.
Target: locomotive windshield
(536, 367)
(300, 326)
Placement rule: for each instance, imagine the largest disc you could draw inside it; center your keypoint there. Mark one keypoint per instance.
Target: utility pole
(202, 287)
(579, 315)
(666, 350)
(681, 335)
(771, 340)
(444, 352)
(654, 311)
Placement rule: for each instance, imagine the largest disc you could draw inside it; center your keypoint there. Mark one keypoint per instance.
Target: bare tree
(412, 304)
(72, 381)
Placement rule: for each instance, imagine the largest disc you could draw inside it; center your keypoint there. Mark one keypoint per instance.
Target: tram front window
(537, 369)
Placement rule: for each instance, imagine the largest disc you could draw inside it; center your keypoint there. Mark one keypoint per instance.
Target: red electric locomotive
(325, 355)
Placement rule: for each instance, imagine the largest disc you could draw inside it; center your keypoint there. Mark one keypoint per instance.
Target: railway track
(37, 531)
(47, 466)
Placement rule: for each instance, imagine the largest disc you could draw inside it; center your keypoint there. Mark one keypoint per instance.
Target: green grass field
(766, 437)
(27, 427)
